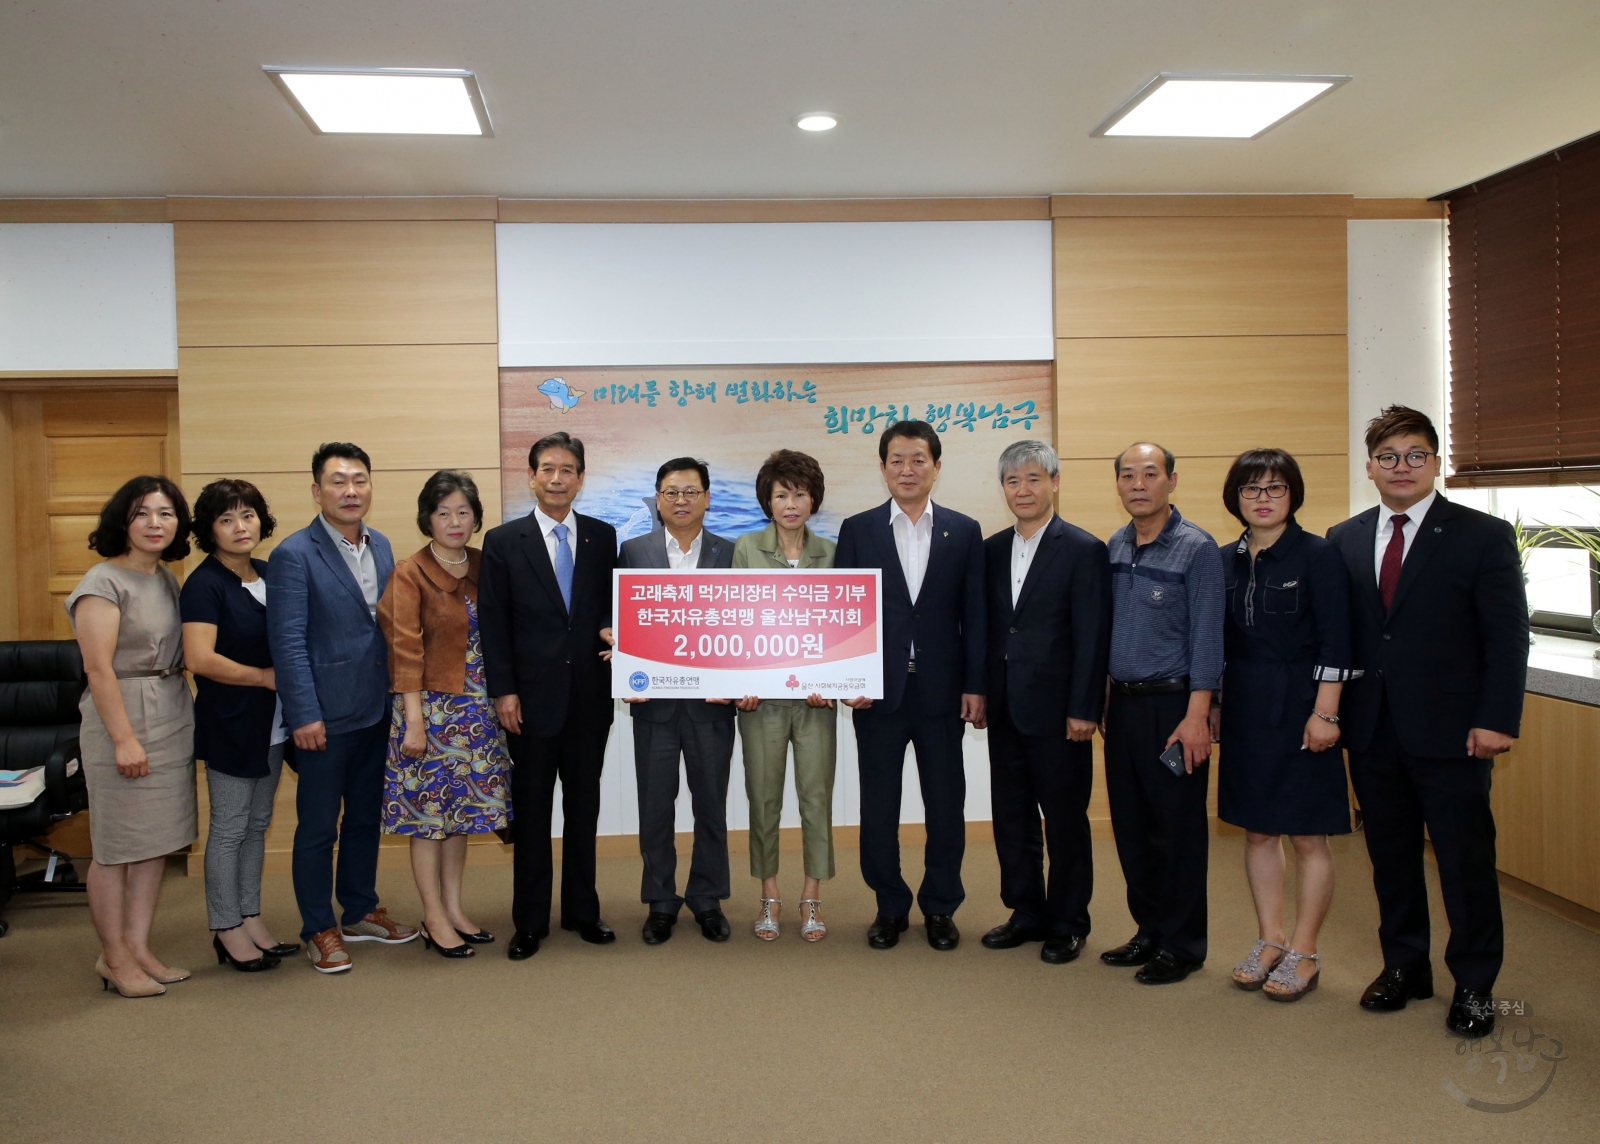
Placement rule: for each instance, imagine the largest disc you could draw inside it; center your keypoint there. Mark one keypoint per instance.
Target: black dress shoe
(1060, 950)
(1138, 950)
(1394, 987)
(523, 945)
(714, 925)
(482, 937)
(884, 932)
(451, 951)
(658, 927)
(1471, 1013)
(1008, 936)
(942, 932)
(1166, 969)
(595, 932)
(282, 949)
(253, 965)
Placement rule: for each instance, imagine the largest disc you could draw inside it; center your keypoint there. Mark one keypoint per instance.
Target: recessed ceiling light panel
(1216, 106)
(384, 101)
(816, 121)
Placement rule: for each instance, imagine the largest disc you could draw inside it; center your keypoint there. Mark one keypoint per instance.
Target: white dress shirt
(1386, 516)
(358, 557)
(677, 557)
(912, 542)
(547, 528)
(1022, 553)
(258, 589)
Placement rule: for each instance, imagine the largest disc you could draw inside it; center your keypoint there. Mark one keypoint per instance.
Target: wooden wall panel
(1202, 396)
(335, 283)
(267, 408)
(1546, 800)
(8, 526)
(1199, 277)
(1089, 494)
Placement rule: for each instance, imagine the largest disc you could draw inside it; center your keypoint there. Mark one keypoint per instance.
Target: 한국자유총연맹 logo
(639, 681)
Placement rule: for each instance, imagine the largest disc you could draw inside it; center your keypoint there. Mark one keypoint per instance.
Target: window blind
(1525, 323)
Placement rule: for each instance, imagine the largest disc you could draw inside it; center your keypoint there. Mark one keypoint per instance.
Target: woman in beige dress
(138, 724)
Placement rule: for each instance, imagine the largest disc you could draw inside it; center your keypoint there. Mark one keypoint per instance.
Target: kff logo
(639, 681)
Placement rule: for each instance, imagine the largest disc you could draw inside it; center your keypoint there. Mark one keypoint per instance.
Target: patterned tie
(1389, 577)
(564, 564)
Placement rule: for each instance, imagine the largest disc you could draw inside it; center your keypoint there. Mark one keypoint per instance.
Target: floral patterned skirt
(460, 785)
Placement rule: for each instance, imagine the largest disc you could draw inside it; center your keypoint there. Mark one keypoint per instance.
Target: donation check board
(718, 633)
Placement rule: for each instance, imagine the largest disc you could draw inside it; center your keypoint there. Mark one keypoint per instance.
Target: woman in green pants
(789, 489)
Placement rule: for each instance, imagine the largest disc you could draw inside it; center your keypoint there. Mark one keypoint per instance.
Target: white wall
(87, 296)
(1398, 330)
(773, 293)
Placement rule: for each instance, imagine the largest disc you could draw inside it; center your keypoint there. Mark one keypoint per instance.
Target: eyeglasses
(1277, 490)
(687, 496)
(1415, 459)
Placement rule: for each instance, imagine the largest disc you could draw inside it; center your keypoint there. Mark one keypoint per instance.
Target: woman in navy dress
(1287, 641)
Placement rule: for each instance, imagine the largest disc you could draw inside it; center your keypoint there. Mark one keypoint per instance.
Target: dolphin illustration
(561, 396)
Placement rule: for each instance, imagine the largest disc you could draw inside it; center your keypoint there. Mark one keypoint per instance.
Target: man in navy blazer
(332, 671)
(932, 612)
(1439, 626)
(1049, 588)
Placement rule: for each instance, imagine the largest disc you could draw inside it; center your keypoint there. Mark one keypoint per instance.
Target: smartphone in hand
(1172, 759)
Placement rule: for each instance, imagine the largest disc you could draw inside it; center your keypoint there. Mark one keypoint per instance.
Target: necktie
(564, 564)
(1389, 575)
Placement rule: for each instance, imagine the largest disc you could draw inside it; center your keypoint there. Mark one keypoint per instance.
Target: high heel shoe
(482, 937)
(254, 965)
(812, 928)
(766, 924)
(282, 949)
(171, 976)
(108, 981)
(453, 951)
(1285, 982)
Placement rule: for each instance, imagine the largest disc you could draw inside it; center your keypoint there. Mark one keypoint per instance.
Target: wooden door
(71, 449)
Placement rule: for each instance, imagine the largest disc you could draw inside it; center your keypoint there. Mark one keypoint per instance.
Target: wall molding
(775, 210)
(24, 381)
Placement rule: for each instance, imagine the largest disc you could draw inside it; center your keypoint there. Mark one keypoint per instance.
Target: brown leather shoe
(327, 952)
(379, 926)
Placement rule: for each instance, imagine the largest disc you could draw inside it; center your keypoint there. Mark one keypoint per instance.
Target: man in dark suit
(1441, 635)
(1049, 591)
(700, 730)
(544, 597)
(933, 651)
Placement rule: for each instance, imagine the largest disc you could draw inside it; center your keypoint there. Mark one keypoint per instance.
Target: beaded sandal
(812, 929)
(766, 924)
(1287, 985)
(1250, 974)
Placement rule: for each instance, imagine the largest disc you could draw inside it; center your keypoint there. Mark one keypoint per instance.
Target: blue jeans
(348, 772)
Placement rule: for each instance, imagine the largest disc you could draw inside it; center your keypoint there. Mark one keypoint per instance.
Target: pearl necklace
(442, 560)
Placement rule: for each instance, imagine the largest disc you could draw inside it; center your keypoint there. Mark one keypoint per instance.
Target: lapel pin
(947, 535)
(1436, 528)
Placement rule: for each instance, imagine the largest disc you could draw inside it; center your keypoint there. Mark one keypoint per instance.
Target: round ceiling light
(816, 121)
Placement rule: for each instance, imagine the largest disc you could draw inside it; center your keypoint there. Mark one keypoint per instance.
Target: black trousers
(575, 755)
(1030, 775)
(881, 741)
(1400, 794)
(707, 750)
(1163, 839)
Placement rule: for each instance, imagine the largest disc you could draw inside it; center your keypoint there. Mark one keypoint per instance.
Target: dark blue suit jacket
(650, 551)
(947, 621)
(328, 653)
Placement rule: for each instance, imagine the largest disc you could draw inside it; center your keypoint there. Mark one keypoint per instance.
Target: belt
(1152, 686)
(164, 673)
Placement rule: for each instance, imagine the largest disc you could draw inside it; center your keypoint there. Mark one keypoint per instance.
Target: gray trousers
(707, 750)
(241, 811)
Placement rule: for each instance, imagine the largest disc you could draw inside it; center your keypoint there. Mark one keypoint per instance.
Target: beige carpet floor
(746, 1041)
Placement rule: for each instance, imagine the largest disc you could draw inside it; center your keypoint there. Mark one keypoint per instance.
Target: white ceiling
(694, 98)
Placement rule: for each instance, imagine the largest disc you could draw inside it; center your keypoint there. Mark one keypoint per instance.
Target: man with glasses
(701, 730)
(1440, 630)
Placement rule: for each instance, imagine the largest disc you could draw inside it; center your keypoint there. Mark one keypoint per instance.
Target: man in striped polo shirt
(1167, 601)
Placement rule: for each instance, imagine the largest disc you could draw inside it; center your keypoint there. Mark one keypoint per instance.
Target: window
(1563, 578)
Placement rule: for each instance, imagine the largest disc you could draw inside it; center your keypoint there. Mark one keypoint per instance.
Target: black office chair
(40, 684)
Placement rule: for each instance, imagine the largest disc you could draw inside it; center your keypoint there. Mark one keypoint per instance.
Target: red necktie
(1389, 576)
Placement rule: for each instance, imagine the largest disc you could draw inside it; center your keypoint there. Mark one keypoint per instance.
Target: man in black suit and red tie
(1049, 590)
(544, 596)
(933, 661)
(1440, 632)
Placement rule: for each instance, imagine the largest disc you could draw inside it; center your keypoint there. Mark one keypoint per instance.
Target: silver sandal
(766, 925)
(812, 929)
(1250, 974)
(1290, 986)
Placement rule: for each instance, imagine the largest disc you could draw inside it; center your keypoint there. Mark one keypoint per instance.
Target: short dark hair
(1172, 462)
(110, 536)
(919, 430)
(556, 441)
(441, 485)
(799, 471)
(684, 465)
(224, 496)
(338, 449)
(1252, 465)
(1400, 421)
